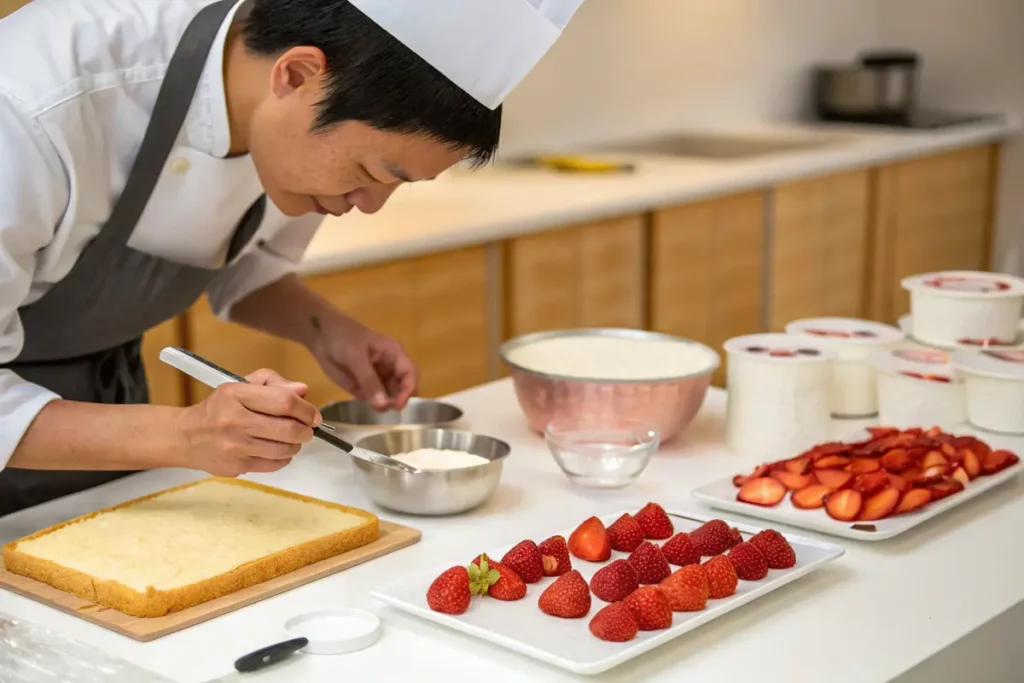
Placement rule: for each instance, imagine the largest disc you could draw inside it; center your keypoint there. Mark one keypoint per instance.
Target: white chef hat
(486, 47)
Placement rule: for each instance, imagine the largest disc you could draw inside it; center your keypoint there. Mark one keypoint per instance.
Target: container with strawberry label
(779, 388)
(854, 341)
(994, 387)
(951, 307)
(918, 386)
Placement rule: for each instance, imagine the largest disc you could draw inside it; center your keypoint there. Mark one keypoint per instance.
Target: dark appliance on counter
(880, 88)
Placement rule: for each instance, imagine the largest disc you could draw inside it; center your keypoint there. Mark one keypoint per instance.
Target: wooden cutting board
(392, 537)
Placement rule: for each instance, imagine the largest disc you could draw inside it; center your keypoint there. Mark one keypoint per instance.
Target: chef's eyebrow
(396, 171)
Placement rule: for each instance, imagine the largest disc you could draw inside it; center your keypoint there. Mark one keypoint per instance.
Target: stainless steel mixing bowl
(418, 412)
(669, 404)
(431, 492)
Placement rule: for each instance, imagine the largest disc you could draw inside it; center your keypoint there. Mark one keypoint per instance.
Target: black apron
(83, 337)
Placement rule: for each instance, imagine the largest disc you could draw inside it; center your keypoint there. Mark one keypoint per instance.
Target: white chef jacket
(78, 81)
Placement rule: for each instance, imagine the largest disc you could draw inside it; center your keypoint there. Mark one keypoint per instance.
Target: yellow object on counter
(578, 164)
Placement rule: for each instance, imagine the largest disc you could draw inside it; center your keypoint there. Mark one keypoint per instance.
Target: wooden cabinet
(167, 386)
(706, 270)
(589, 275)
(929, 214)
(819, 246)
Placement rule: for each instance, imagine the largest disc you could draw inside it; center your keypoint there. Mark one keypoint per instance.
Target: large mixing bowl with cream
(610, 372)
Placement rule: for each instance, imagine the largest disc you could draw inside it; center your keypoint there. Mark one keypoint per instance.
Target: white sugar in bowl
(779, 388)
(954, 307)
(855, 341)
(918, 386)
(994, 386)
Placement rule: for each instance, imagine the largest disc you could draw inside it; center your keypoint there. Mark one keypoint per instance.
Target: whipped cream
(440, 459)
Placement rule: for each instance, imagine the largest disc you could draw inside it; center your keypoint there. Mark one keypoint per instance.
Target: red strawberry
(722, 578)
(713, 537)
(776, 549)
(568, 597)
(449, 593)
(554, 555)
(748, 561)
(614, 582)
(525, 559)
(650, 565)
(679, 551)
(614, 623)
(625, 534)
(687, 589)
(655, 522)
(487, 577)
(650, 607)
(590, 542)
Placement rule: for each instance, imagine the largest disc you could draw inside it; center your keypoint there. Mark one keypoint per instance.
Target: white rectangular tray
(568, 643)
(721, 495)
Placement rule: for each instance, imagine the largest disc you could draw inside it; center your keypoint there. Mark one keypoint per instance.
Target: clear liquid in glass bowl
(601, 452)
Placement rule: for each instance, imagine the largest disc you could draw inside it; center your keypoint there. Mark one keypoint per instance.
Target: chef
(152, 151)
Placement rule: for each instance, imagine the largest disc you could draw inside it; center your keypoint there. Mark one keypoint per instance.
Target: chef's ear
(298, 68)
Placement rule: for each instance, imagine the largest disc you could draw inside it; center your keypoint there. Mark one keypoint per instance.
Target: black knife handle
(272, 654)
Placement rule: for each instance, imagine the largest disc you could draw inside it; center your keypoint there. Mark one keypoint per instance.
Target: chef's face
(350, 165)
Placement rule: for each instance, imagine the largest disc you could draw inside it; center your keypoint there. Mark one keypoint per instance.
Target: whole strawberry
(687, 589)
(679, 551)
(722, 578)
(650, 565)
(449, 593)
(625, 534)
(650, 607)
(713, 537)
(554, 555)
(775, 548)
(655, 522)
(614, 623)
(748, 561)
(487, 577)
(525, 559)
(614, 582)
(568, 597)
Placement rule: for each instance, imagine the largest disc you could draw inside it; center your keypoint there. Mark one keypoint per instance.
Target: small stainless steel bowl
(418, 412)
(669, 404)
(431, 492)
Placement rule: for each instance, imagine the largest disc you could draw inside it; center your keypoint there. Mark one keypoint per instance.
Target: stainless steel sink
(723, 145)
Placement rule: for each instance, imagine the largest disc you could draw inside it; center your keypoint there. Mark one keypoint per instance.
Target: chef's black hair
(373, 78)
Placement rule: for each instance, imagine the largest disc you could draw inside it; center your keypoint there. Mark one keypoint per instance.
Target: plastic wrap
(32, 654)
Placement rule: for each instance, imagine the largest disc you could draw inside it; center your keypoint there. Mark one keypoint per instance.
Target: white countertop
(873, 614)
(463, 208)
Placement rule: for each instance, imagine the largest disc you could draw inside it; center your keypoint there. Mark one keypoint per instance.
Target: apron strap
(172, 105)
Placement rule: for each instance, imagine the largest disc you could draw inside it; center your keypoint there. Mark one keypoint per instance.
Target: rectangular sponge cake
(184, 546)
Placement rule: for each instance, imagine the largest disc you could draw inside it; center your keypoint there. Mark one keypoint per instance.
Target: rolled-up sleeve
(271, 258)
(33, 197)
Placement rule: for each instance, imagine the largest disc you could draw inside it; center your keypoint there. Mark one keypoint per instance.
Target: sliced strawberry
(864, 465)
(997, 461)
(590, 542)
(960, 475)
(834, 479)
(933, 459)
(933, 431)
(741, 479)
(810, 498)
(898, 483)
(880, 505)
(950, 451)
(871, 483)
(831, 461)
(793, 482)
(625, 535)
(897, 460)
(931, 475)
(763, 491)
(944, 488)
(981, 448)
(971, 462)
(914, 499)
(879, 432)
(911, 475)
(798, 465)
(655, 522)
(844, 505)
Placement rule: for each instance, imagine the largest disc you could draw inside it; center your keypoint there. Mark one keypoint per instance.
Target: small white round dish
(779, 388)
(334, 631)
(918, 386)
(853, 390)
(906, 324)
(994, 384)
(956, 305)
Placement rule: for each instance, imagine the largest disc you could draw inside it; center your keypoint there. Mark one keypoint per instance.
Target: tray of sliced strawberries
(589, 598)
(877, 486)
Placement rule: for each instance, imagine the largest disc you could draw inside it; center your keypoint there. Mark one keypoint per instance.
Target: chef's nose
(370, 199)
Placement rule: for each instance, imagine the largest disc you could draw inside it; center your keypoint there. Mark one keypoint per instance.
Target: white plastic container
(854, 394)
(972, 307)
(779, 388)
(918, 388)
(994, 385)
(906, 324)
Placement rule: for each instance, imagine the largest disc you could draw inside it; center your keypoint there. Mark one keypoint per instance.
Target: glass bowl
(601, 452)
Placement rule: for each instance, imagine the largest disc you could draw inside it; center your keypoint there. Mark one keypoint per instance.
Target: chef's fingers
(404, 381)
(267, 377)
(252, 464)
(276, 401)
(279, 431)
(369, 383)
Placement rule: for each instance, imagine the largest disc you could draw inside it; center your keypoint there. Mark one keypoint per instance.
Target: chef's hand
(366, 364)
(248, 427)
